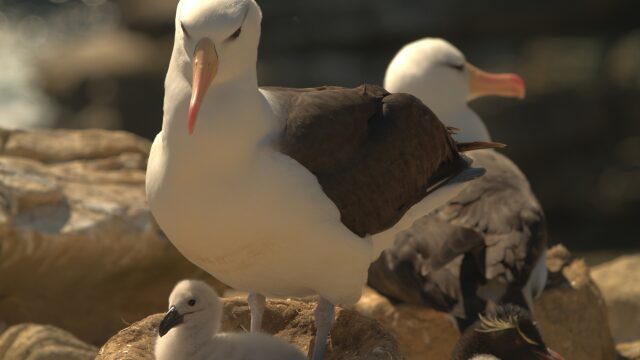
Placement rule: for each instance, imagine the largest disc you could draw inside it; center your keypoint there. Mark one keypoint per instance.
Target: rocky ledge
(76, 237)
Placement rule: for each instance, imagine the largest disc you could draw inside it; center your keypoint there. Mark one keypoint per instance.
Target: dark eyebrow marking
(236, 34)
(184, 30)
(459, 67)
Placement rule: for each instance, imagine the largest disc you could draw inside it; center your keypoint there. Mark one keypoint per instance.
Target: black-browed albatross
(287, 192)
(489, 242)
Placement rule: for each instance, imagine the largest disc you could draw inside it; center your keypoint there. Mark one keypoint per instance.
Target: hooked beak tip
(521, 89)
(171, 319)
(483, 83)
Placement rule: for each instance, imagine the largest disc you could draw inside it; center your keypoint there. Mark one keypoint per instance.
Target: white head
(438, 74)
(220, 40)
(193, 305)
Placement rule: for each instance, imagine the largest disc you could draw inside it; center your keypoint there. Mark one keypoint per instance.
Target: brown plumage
(375, 154)
(495, 229)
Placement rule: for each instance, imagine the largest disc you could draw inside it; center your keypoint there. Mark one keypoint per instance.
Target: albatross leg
(325, 313)
(257, 304)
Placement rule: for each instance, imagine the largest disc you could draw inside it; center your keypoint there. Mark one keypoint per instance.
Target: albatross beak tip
(483, 83)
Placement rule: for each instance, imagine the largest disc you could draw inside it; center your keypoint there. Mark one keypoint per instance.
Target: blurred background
(101, 63)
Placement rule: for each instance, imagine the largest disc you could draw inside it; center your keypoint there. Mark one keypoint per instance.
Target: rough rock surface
(422, 333)
(76, 236)
(629, 351)
(619, 282)
(40, 342)
(571, 312)
(353, 336)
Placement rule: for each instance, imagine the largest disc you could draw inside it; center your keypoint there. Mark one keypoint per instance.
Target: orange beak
(205, 68)
(482, 83)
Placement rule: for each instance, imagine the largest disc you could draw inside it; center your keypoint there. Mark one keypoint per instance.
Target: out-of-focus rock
(40, 342)
(79, 248)
(422, 333)
(353, 336)
(148, 15)
(571, 312)
(111, 79)
(619, 282)
(629, 351)
(108, 53)
(623, 61)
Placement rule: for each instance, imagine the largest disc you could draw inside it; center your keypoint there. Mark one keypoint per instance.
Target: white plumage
(196, 336)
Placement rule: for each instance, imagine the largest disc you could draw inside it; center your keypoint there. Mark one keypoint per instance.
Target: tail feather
(479, 145)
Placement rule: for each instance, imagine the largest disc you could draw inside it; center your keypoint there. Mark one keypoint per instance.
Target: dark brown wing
(502, 208)
(424, 265)
(496, 226)
(375, 154)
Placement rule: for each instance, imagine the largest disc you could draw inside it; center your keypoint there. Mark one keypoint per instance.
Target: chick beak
(482, 83)
(205, 68)
(171, 319)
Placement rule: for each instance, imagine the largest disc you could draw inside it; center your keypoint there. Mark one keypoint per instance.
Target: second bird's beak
(171, 319)
(205, 68)
(482, 83)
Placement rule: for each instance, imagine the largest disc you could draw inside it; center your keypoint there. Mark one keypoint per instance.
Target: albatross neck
(471, 126)
(233, 119)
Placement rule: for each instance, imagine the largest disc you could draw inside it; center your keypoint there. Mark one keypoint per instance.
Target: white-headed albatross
(489, 242)
(286, 192)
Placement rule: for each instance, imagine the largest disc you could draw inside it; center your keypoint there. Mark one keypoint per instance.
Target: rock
(571, 312)
(63, 145)
(353, 336)
(41, 342)
(630, 351)
(148, 15)
(111, 79)
(623, 61)
(619, 281)
(78, 247)
(422, 333)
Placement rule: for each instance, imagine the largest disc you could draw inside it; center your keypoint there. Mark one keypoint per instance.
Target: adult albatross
(486, 244)
(287, 192)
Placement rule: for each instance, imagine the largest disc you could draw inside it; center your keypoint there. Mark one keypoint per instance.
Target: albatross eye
(192, 302)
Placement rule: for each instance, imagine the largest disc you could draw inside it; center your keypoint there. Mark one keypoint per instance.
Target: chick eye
(184, 30)
(236, 34)
(192, 302)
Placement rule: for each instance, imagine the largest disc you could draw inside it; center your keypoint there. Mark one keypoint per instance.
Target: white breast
(262, 225)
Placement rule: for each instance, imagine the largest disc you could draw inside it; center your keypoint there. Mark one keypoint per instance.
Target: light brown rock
(619, 282)
(629, 351)
(353, 336)
(65, 145)
(422, 333)
(94, 55)
(41, 342)
(78, 247)
(571, 312)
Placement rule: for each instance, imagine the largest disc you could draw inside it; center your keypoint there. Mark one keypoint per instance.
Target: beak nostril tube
(205, 69)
